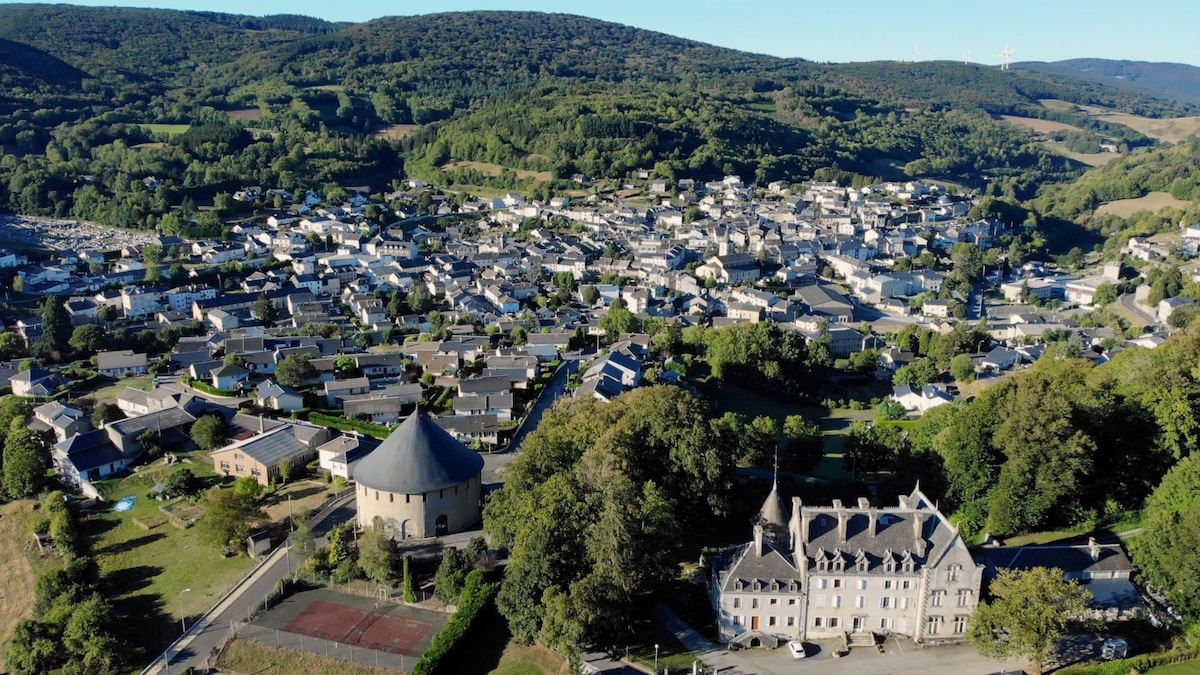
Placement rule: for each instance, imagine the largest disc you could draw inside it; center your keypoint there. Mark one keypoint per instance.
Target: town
(406, 344)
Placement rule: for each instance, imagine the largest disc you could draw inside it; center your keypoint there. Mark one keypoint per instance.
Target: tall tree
(295, 369)
(209, 431)
(229, 517)
(1028, 611)
(1168, 550)
(377, 554)
(56, 329)
(26, 460)
(88, 339)
(265, 310)
(419, 298)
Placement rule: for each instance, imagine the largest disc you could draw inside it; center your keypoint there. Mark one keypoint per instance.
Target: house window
(770, 621)
(241, 469)
(833, 622)
(791, 601)
(254, 471)
(377, 495)
(821, 600)
(791, 621)
(816, 622)
(822, 583)
(883, 624)
(837, 583)
(225, 467)
(906, 584)
(753, 603)
(837, 601)
(952, 572)
(885, 602)
(903, 603)
(862, 584)
(887, 584)
(908, 567)
(774, 601)
(934, 625)
(407, 499)
(237, 456)
(935, 598)
(823, 566)
(860, 601)
(890, 567)
(964, 598)
(737, 603)
(737, 620)
(391, 498)
(960, 625)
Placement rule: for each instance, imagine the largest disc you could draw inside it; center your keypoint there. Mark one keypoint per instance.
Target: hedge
(1125, 666)
(474, 598)
(209, 389)
(376, 430)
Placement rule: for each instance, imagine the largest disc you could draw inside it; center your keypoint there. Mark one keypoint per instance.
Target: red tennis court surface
(361, 627)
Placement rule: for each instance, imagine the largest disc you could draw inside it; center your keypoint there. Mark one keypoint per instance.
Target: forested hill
(509, 100)
(1165, 80)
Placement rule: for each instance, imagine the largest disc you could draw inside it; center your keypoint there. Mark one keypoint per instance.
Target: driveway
(553, 391)
(897, 658)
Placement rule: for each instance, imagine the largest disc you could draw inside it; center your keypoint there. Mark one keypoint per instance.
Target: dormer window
(890, 567)
(738, 585)
(860, 565)
(839, 565)
(823, 565)
(908, 567)
(774, 585)
(757, 585)
(793, 587)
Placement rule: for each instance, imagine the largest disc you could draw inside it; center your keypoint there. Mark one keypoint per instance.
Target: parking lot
(897, 657)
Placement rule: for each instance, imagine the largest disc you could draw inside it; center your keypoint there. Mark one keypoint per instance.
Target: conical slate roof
(771, 513)
(419, 456)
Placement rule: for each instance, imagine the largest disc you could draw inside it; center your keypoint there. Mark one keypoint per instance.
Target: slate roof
(749, 565)
(418, 457)
(272, 447)
(1069, 559)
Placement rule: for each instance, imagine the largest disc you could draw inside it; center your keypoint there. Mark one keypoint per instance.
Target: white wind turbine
(933, 53)
(1006, 58)
(967, 57)
(916, 53)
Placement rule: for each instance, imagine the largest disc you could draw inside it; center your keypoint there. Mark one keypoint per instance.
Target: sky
(830, 30)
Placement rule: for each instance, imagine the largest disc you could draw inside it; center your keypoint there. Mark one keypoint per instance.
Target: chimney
(843, 524)
(919, 531)
(1093, 549)
(873, 517)
(805, 521)
(904, 504)
(262, 425)
(758, 539)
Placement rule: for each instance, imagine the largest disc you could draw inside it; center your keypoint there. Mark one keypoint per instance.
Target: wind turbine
(1006, 58)
(967, 57)
(933, 53)
(916, 53)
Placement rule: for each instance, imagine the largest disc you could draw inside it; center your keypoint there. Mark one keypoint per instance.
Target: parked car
(796, 648)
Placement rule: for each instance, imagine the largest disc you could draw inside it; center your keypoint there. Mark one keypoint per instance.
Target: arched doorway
(442, 525)
(406, 529)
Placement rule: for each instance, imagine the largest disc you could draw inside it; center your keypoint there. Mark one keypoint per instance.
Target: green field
(1188, 668)
(247, 656)
(148, 570)
(110, 392)
(168, 129)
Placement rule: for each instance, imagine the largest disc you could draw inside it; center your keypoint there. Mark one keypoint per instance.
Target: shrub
(475, 596)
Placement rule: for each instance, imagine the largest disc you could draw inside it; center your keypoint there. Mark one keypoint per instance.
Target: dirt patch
(17, 574)
(1038, 125)
(1152, 202)
(395, 131)
(247, 114)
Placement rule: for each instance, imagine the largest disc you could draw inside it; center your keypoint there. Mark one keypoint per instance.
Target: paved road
(1128, 302)
(193, 651)
(553, 391)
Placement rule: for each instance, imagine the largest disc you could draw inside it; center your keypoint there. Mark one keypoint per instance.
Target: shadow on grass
(126, 546)
(486, 649)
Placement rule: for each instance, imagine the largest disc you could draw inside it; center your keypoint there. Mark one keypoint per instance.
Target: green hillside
(1165, 80)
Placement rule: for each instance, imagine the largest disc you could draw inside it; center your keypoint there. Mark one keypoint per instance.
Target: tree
(106, 412)
(26, 460)
(968, 261)
(871, 447)
(1106, 293)
(182, 483)
(805, 445)
(209, 431)
(451, 575)
(107, 313)
(377, 553)
(303, 545)
(295, 369)
(916, 374)
(88, 635)
(88, 339)
(265, 310)
(962, 369)
(12, 346)
(1028, 611)
(56, 329)
(419, 298)
(591, 295)
(249, 486)
(1168, 550)
(152, 256)
(408, 585)
(229, 517)
(618, 320)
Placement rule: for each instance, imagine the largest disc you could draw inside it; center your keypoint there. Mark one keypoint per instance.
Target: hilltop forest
(503, 100)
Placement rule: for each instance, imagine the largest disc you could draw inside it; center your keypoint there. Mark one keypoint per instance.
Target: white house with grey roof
(840, 571)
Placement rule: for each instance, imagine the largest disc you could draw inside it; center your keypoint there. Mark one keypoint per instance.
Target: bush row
(476, 595)
(209, 389)
(376, 430)
(1139, 664)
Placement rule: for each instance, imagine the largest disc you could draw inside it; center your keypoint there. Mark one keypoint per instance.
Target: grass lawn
(110, 392)
(493, 651)
(1188, 668)
(147, 570)
(168, 129)
(671, 652)
(306, 495)
(247, 656)
(20, 565)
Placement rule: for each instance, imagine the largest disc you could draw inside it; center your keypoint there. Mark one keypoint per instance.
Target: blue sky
(1041, 30)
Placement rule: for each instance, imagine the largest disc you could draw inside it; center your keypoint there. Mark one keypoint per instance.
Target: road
(553, 391)
(1128, 302)
(194, 650)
